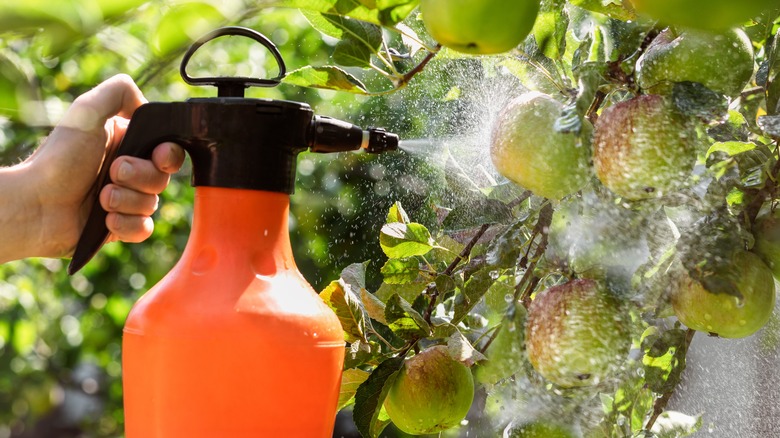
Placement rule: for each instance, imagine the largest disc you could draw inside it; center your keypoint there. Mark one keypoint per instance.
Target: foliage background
(60, 336)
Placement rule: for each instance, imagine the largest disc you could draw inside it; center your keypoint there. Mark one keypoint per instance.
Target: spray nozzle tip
(380, 141)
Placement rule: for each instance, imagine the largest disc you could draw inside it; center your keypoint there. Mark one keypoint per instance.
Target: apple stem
(660, 403)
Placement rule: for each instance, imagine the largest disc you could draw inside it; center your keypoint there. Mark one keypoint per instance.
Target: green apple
(432, 392)
(526, 149)
(642, 149)
(723, 314)
(722, 61)
(479, 27)
(576, 334)
(538, 429)
(703, 14)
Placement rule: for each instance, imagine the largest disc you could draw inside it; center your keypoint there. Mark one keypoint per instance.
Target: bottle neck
(239, 224)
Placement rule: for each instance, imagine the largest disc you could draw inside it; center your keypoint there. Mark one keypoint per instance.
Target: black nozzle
(379, 140)
(327, 134)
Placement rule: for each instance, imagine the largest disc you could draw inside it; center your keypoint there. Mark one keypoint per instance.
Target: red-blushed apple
(576, 334)
(642, 148)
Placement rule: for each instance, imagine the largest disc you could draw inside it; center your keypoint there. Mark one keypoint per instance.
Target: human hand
(57, 179)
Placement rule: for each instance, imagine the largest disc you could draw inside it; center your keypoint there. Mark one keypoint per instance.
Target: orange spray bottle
(233, 342)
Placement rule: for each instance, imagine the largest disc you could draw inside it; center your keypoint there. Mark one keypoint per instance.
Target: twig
(417, 69)
(431, 289)
(660, 403)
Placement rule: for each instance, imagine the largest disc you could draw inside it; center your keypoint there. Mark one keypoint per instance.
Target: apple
(722, 61)
(767, 234)
(538, 429)
(479, 27)
(642, 149)
(576, 334)
(723, 314)
(432, 392)
(702, 14)
(526, 149)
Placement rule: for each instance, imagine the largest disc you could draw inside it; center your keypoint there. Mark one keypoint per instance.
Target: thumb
(118, 95)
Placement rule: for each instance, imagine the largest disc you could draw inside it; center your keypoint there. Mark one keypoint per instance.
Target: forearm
(19, 217)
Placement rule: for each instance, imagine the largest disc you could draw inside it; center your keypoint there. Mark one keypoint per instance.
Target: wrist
(20, 215)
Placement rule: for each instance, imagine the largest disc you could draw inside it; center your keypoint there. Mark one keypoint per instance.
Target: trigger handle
(146, 130)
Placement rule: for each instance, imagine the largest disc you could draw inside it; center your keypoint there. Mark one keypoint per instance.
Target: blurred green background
(60, 336)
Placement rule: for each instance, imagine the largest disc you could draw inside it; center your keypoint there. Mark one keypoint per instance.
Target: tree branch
(431, 290)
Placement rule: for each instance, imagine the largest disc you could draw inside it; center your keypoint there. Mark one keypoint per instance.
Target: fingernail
(113, 200)
(125, 171)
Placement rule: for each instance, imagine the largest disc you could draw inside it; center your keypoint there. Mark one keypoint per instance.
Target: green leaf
(694, 99)
(664, 358)
(17, 89)
(352, 53)
(773, 79)
(383, 12)
(731, 148)
(350, 381)
(347, 306)
(355, 275)
(341, 27)
(404, 320)
(408, 291)
(371, 395)
(375, 308)
(470, 215)
(550, 28)
(461, 350)
(473, 291)
(183, 24)
(327, 77)
(770, 125)
(400, 271)
(359, 353)
(505, 250)
(397, 214)
(610, 8)
(399, 240)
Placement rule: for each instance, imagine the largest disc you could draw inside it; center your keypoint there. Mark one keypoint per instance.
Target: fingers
(168, 157)
(138, 174)
(129, 228)
(118, 95)
(132, 197)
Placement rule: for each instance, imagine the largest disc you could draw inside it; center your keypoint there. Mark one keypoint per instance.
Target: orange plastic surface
(233, 342)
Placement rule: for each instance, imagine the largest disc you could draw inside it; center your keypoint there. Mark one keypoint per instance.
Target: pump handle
(233, 86)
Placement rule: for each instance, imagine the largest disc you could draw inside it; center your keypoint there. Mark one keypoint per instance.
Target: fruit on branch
(702, 14)
(479, 27)
(576, 334)
(537, 429)
(767, 234)
(432, 392)
(722, 61)
(526, 148)
(724, 314)
(642, 149)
